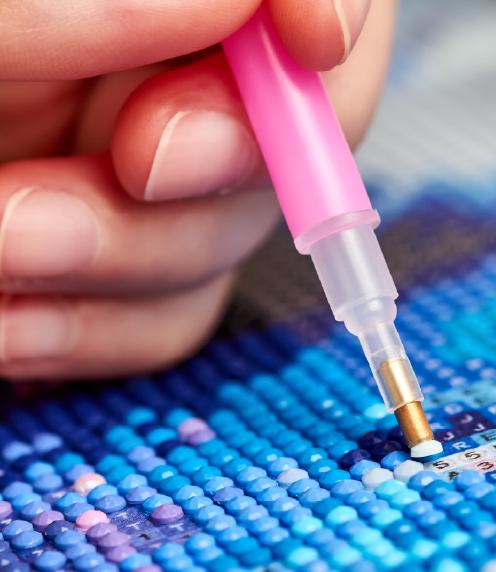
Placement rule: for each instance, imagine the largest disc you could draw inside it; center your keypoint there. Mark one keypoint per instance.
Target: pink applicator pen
(328, 211)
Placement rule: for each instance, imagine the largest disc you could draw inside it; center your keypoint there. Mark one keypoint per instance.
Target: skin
(85, 89)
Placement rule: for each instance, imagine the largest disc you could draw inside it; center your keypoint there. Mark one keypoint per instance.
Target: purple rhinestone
(167, 513)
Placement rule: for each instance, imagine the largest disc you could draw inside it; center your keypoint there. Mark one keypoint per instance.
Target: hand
(129, 198)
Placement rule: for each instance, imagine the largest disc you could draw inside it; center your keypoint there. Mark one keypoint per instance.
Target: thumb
(319, 34)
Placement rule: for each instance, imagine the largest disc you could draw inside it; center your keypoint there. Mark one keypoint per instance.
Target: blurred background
(437, 118)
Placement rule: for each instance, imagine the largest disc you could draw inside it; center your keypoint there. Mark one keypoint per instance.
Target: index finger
(56, 39)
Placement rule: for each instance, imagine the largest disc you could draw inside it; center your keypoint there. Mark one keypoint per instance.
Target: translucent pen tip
(362, 294)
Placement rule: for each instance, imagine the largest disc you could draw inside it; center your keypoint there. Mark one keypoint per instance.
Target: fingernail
(351, 15)
(46, 233)
(36, 331)
(199, 152)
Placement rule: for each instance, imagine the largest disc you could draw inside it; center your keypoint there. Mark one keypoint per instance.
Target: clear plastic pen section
(361, 293)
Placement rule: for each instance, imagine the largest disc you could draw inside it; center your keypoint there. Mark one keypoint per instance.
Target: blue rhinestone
(269, 496)
(219, 523)
(78, 550)
(56, 528)
(250, 474)
(134, 562)
(48, 483)
(16, 489)
(313, 496)
(274, 536)
(226, 494)
(131, 482)
(22, 500)
(16, 527)
(29, 511)
(315, 470)
(69, 499)
(89, 561)
(101, 491)
(27, 539)
(37, 470)
(361, 468)
(195, 504)
(111, 503)
(228, 535)
(346, 488)
(302, 486)
(280, 465)
(207, 513)
(140, 494)
(199, 542)
(69, 538)
(71, 513)
(50, 560)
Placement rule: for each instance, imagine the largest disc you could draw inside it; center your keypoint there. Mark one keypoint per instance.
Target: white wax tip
(427, 450)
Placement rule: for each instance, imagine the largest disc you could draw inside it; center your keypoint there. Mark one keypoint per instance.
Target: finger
(319, 34)
(355, 86)
(36, 118)
(69, 115)
(56, 39)
(80, 338)
(67, 226)
(96, 119)
(185, 133)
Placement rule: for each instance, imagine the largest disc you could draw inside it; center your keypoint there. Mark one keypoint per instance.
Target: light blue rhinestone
(302, 556)
(22, 500)
(69, 499)
(385, 518)
(186, 492)
(361, 468)
(404, 498)
(134, 561)
(387, 489)
(250, 474)
(130, 482)
(38, 469)
(306, 526)
(340, 514)
(140, 415)
(216, 483)
(274, 536)
(168, 551)
(67, 461)
(101, 491)
(194, 504)
(199, 542)
(281, 464)
(207, 513)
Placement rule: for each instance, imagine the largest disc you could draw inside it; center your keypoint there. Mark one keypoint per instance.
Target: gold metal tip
(399, 380)
(413, 423)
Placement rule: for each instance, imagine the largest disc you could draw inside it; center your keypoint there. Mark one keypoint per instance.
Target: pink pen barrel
(308, 158)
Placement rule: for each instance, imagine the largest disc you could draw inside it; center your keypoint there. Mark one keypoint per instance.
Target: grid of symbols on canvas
(270, 450)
